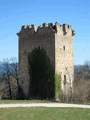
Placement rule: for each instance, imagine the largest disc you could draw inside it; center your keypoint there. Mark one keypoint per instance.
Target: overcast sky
(14, 13)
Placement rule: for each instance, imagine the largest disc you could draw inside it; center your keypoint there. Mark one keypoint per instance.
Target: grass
(23, 101)
(44, 114)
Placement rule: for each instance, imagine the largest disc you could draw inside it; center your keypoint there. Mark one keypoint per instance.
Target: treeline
(82, 83)
(82, 72)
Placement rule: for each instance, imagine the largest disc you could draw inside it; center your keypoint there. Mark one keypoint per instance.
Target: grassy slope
(44, 114)
(23, 101)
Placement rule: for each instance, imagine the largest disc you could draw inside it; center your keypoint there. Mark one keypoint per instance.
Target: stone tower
(57, 41)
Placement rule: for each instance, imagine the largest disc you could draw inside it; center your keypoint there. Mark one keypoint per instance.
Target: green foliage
(57, 86)
(41, 73)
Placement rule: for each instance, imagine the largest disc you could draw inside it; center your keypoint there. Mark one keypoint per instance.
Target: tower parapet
(67, 28)
(64, 28)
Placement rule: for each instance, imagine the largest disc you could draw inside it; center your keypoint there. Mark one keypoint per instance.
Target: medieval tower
(57, 41)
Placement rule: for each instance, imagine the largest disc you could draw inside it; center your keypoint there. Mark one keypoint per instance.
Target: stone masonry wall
(57, 41)
(64, 57)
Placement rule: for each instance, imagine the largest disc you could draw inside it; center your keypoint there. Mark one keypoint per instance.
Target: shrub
(57, 87)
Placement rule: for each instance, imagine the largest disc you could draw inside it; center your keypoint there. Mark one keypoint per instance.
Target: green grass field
(44, 114)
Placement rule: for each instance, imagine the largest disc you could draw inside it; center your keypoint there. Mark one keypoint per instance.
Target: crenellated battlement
(64, 28)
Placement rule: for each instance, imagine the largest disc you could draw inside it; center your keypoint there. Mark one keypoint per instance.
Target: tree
(6, 74)
(9, 73)
(14, 70)
(82, 83)
(42, 74)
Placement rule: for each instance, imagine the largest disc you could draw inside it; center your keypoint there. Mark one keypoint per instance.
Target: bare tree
(14, 69)
(82, 82)
(10, 74)
(6, 74)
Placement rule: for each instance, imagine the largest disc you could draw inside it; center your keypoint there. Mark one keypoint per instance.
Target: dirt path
(43, 105)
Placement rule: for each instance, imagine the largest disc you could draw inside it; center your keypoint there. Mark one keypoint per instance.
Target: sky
(15, 13)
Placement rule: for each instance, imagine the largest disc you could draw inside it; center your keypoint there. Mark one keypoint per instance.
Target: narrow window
(64, 79)
(64, 47)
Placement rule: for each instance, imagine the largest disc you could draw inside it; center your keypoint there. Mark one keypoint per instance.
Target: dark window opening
(64, 48)
(64, 79)
(65, 33)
